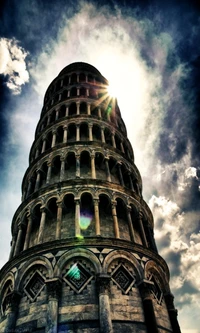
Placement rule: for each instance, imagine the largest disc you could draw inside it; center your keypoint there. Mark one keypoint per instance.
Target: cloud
(13, 65)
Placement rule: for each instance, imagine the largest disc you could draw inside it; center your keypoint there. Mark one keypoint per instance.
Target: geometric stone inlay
(34, 286)
(123, 278)
(77, 277)
(156, 291)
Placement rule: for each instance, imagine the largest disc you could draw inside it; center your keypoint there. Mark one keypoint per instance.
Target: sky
(150, 53)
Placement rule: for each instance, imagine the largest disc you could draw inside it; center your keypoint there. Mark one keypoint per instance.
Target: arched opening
(135, 185)
(73, 92)
(95, 111)
(84, 134)
(100, 166)
(36, 217)
(82, 77)
(121, 209)
(64, 95)
(55, 170)
(44, 124)
(62, 112)
(58, 85)
(71, 133)
(85, 165)
(113, 171)
(56, 98)
(51, 219)
(83, 108)
(43, 174)
(105, 214)
(87, 223)
(125, 175)
(90, 78)
(92, 93)
(53, 116)
(117, 142)
(39, 147)
(6, 291)
(96, 132)
(32, 183)
(59, 135)
(49, 140)
(104, 114)
(72, 109)
(136, 226)
(70, 166)
(68, 217)
(83, 92)
(66, 81)
(108, 136)
(23, 235)
(73, 78)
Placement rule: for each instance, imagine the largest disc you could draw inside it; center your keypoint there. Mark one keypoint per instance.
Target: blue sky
(150, 54)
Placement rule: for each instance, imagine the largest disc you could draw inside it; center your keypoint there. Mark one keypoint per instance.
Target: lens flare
(74, 272)
(85, 220)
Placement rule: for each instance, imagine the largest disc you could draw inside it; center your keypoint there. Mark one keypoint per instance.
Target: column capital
(53, 288)
(90, 125)
(54, 131)
(145, 287)
(43, 209)
(65, 127)
(114, 203)
(59, 203)
(44, 137)
(12, 299)
(103, 282)
(96, 201)
(129, 208)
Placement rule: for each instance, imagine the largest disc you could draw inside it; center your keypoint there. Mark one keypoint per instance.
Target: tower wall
(83, 256)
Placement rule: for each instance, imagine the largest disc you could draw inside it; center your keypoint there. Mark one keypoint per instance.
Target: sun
(112, 90)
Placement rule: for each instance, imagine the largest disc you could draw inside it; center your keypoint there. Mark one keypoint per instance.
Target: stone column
(120, 174)
(88, 109)
(77, 77)
(12, 302)
(90, 132)
(42, 225)
(77, 132)
(54, 287)
(57, 114)
(169, 300)
(113, 140)
(99, 112)
(130, 223)
(149, 314)
(37, 183)
(144, 240)
(78, 92)
(131, 182)
(48, 120)
(87, 92)
(65, 134)
(59, 219)
(77, 108)
(62, 169)
(13, 246)
(115, 220)
(122, 147)
(28, 232)
(77, 218)
(103, 283)
(93, 171)
(44, 145)
(29, 187)
(37, 153)
(53, 139)
(96, 214)
(77, 166)
(102, 135)
(18, 245)
(48, 173)
(107, 170)
(67, 112)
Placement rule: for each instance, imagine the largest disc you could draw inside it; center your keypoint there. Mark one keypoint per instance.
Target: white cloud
(12, 64)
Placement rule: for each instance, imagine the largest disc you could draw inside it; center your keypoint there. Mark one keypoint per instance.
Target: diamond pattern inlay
(34, 286)
(123, 278)
(77, 277)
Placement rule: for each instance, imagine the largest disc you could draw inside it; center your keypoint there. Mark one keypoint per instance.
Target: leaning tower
(83, 257)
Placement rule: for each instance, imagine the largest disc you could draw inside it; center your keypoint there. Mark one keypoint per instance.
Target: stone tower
(83, 257)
